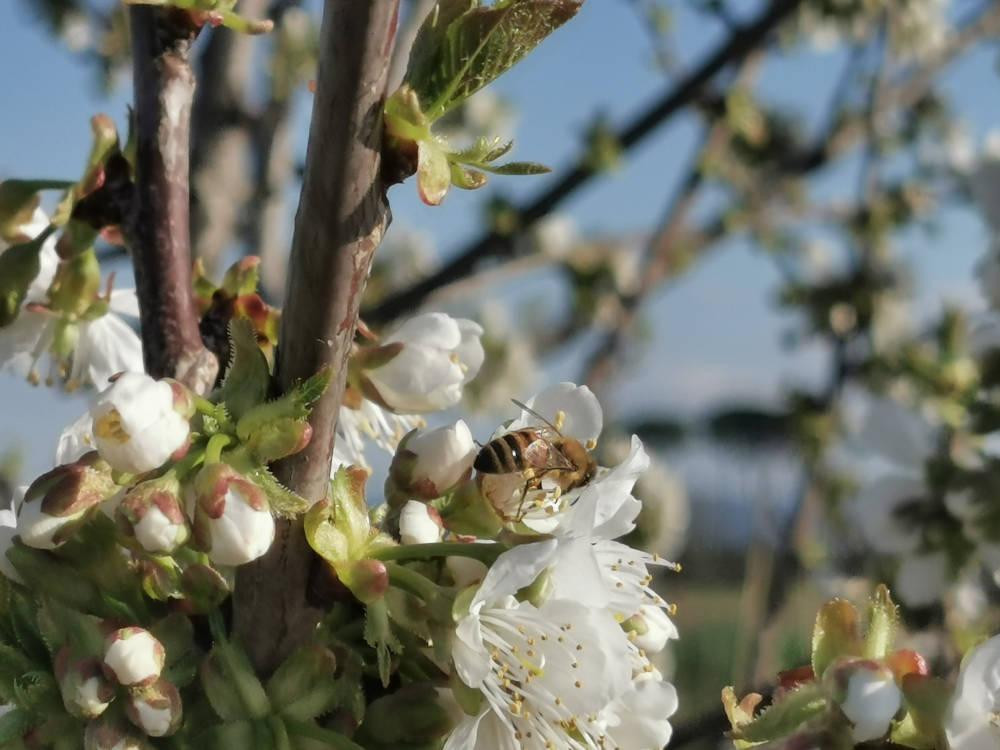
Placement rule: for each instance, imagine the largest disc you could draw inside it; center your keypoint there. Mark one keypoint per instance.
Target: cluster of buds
(857, 689)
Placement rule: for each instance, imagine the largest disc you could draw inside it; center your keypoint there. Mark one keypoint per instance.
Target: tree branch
(687, 91)
(341, 218)
(159, 230)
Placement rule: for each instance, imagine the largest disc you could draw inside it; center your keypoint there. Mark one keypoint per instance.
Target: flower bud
(434, 356)
(109, 735)
(651, 628)
(156, 709)
(58, 501)
(429, 463)
(232, 518)
(204, 588)
(465, 571)
(414, 714)
(152, 513)
(133, 657)
(279, 438)
(868, 696)
(367, 579)
(140, 423)
(86, 692)
(419, 524)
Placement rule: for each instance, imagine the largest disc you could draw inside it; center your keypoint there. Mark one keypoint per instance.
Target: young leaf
(466, 179)
(379, 635)
(882, 617)
(14, 725)
(463, 45)
(518, 167)
(282, 500)
(247, 377)
(784, 716)
(835, 634)
(19, 265)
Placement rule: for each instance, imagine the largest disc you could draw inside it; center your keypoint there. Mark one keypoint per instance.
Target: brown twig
(158, 230)
(687, 91)
(341, 218)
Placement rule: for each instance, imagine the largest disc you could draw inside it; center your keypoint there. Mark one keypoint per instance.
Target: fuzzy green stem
(216, 444)
(486, 553)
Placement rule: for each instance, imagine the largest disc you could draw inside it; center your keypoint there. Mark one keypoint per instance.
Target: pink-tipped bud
(157, 709)
(86, 692)
(429, 463)
(232, 518)
(56, 502)
(133, 657)
(152, 513)
(867, 694)
(419, 523)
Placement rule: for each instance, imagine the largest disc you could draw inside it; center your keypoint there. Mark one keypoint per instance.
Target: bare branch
(341, 218)
(158, 230)
(687, 91)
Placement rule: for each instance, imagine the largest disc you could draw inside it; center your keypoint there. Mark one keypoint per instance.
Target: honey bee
(536, 453)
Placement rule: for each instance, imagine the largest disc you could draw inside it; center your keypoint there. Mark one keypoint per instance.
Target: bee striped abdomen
(502, 455)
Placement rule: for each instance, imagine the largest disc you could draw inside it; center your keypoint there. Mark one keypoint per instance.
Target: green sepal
(51, 577)
(379, 635)
(295, 404)
(465, 511)
(463, 45)
(788, 713)
(13, 664)
(19, 265)
(236, 667)
(220, 691)
(282, 500)
(403, 117)
(469, 699)
(248, 377)
(410, 717)
(104, 144)
(926, 700)
(38, 692)
(835, 634)
(76, 283)
(882, 620)
(242, 277)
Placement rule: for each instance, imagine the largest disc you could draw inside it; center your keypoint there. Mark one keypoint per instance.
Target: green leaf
(38, 693)
(518, 167)
(13, 664)
(433, 173)
(789, 712)
(882, 619)
(18, 201)
(14, 725)
(379, 635)
(220, 691)
(237, 669)
(248, 377)
(463, 45)
(835, 634)
(19, 265)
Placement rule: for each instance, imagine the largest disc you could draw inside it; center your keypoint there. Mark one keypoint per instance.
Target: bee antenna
(528, 409)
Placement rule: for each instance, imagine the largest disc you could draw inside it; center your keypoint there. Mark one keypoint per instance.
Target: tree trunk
(341, 218)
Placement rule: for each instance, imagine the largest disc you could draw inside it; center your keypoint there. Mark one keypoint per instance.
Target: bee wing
(543, 454)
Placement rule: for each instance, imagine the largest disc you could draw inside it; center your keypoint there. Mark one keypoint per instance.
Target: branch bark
(158, 229)
(341, 218)
(687, 91)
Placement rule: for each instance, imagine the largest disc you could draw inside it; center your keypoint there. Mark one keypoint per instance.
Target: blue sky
(716, 334)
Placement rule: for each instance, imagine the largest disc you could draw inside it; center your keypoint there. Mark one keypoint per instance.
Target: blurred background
(754, 209)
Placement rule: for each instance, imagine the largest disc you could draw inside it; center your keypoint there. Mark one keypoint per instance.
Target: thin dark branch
(341, 218)
(684, 93)
(158, 231)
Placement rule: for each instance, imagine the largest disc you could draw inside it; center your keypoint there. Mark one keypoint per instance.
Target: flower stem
(486, 553)
(410, 580)
(216, 443)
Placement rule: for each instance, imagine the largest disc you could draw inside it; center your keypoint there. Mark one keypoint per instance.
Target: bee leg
(524, 495)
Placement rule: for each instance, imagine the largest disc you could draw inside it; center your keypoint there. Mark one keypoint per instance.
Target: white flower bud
(443, 457)
(152, 513)
(85, 690)
(653, 628)
(233, 521)
(139, 422)
(157, 710)
(871, 701)
(419, 524)
(8, 530)
(437, 356)
(133, 657)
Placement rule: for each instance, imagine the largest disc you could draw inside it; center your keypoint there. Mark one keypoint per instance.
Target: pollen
(109, 427)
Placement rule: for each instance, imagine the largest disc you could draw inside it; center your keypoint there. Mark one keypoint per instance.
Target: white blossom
(136, 425)
(540, 669)
(8, 530)
(970, 723)
(438, 356)
(368, 422)
(429, 463)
